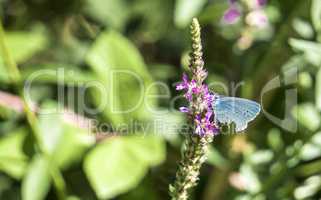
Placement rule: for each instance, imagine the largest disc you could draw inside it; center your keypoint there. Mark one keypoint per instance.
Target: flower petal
(231, 15)
(184, 109)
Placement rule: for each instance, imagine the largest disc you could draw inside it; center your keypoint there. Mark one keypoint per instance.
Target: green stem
(194, 156)
(8, 60)
(196, 146)
(59, 182)
(15, 78)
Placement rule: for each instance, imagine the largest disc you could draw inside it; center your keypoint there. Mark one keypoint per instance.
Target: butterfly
(239, 111)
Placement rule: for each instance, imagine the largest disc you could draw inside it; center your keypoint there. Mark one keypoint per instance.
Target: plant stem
(15, 77)
(196, 145)
(194, 156)
(8, 60)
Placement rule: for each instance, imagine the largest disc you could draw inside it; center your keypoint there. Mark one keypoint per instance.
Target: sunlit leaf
(4, 77)
(22, 46)
(185, 10)
(316, 14)
(36, 183)
(305, 80)
(310, 49)
(57, 73)
(66, 143)
(13, 161)
(119, 164)
(303, 28)
(296, 61)
(307, 115)
(274, 139)
(167, 124)
(312, 149)
(124, 83)
(311, 186)
(253, 183)
(261, 157)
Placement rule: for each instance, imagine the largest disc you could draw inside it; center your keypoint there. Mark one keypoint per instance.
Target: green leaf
(318, 90)
(275, 140)
(251, 177)
(307, 115)
(149, 149)
(305, 80)
(124, 79)
(73, 146)
(119, 164)
(311, 50)
(57, 73)
(22, 46)
(185, 10)
(4, 77)
(312, 149)
(260, 157)
(65, 143)
(310, 187)
(316, 14)
(36, 183)
(13, 161)
(166, 124)
(303, 28)
(112, 13)
(296, 61)
(51, 129)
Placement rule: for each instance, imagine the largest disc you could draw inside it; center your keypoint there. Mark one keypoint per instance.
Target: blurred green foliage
(90, 39)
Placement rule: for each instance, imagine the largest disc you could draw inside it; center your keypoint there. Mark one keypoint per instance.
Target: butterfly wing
(237, 110)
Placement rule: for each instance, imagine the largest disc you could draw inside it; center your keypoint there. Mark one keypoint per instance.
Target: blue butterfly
(237, 110)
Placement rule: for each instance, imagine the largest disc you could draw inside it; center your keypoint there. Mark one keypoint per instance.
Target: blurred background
(64, 155)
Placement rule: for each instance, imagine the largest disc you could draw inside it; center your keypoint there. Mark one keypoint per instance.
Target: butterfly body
(238, 110)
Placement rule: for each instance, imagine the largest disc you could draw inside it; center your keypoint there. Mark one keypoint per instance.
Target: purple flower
(203, 120)
(193, 87)
(188, 96)
(199, 130)
(201, 74)
(200, 100)
(180, 86)
(198, 118)
(208, 115)
(208, 96)
(212, 129)
(184, 109)
(261, 2)
(257, 18)
(231, 15)
(198, 121)
(184, 84)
